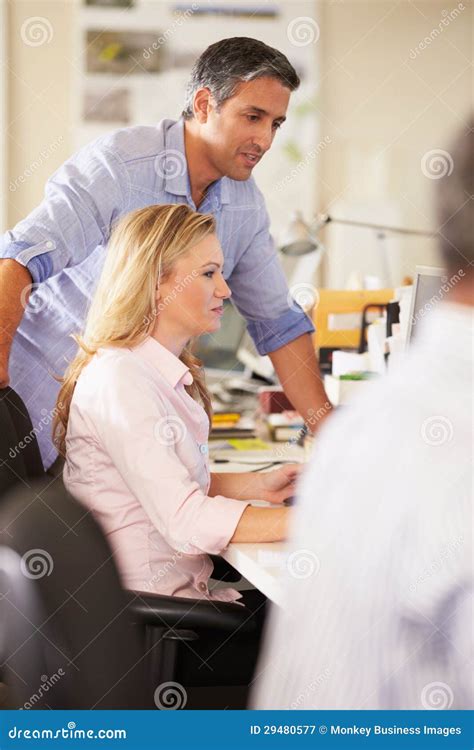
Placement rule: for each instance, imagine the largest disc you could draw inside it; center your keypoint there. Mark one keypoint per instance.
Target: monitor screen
(219, 350)
(426, 293)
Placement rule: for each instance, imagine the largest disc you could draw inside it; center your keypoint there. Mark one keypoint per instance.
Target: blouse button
(202, 586)
(203, 448)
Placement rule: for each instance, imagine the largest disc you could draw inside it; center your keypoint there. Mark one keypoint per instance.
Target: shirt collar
(167, 364)
(176, 173)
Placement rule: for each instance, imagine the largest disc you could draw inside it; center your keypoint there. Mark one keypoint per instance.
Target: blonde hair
(142, 250)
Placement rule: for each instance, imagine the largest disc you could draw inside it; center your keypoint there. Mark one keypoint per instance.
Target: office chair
(55, 566)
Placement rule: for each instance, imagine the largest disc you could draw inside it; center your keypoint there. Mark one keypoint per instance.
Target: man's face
(242, 130)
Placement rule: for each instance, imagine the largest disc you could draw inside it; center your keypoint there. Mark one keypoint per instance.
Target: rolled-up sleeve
(129, 431)
(260, 292)
(82, 199)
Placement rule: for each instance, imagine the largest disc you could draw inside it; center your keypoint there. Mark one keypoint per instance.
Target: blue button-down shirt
(62, 244)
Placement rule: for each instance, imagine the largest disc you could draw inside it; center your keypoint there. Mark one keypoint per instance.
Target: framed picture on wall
(123, 52)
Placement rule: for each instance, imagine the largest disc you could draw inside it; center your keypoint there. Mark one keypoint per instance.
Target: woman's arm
(273, 486)
(242, 486)
(262, 525)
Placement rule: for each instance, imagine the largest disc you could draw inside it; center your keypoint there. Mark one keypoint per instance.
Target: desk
(262, 564)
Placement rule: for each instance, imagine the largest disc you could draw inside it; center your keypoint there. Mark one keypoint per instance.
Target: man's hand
(279, 484)
(4, 377)
(15, 284)
(298, 372)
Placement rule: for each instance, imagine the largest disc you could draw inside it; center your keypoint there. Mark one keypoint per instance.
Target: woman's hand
(279, 484)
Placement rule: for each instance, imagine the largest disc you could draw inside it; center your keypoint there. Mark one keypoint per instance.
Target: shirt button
(202, 586)
(49, 244)
(203, 448)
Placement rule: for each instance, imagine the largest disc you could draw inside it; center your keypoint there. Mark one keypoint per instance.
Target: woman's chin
(214, 325)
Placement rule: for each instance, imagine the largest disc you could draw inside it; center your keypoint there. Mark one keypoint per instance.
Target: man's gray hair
(455, 196)
(225, 64)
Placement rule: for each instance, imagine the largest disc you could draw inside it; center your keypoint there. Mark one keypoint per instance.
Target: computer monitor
(231, 348)
(218, 351)
(426, 293)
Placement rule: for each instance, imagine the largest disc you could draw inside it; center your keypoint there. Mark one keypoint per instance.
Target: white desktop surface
(262, 564)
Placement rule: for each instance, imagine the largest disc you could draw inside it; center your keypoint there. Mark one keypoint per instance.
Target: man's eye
(252, 118)
(277, 125)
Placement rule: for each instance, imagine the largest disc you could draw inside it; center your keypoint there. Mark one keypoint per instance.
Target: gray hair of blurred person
(455, 209)
(225, 64)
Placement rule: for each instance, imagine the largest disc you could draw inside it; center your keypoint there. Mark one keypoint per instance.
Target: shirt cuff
(271, 334)
(34, 257)
(223, 516)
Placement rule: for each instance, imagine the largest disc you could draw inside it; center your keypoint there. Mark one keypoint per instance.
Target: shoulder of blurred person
(380, 579)
(381, 544)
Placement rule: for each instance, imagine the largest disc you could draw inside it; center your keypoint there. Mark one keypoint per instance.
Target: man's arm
(81, 200)
(15, 283)
(298, 372)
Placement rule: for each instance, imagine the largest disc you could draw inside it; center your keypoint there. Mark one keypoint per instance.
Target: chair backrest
(57, 573)
(20, 457)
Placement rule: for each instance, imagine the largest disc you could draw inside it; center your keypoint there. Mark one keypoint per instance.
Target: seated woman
(133, 412)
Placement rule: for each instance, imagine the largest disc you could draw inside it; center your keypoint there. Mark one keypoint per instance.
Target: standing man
(236, 100)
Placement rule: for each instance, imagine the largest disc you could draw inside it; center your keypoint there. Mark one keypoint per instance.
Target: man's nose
(264, 139)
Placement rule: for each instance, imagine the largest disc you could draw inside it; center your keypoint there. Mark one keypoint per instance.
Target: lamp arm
(324, 219)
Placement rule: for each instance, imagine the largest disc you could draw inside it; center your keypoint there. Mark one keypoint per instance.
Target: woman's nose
(223, 289)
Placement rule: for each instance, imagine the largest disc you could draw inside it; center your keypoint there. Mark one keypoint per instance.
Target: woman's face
(191, 298)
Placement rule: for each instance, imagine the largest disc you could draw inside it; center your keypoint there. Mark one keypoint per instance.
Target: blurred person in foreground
(380, 582)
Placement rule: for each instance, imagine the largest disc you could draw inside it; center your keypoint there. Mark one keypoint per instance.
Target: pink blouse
(137, 456)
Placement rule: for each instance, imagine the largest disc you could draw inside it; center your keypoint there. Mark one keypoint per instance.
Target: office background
(386, 84)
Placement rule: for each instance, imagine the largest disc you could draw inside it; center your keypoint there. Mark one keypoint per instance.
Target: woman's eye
(209, 274)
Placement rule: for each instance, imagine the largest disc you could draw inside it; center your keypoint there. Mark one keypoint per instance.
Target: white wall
(40, 66)
(385, 103)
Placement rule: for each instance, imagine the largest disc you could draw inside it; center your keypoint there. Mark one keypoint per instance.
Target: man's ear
(202, 105)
